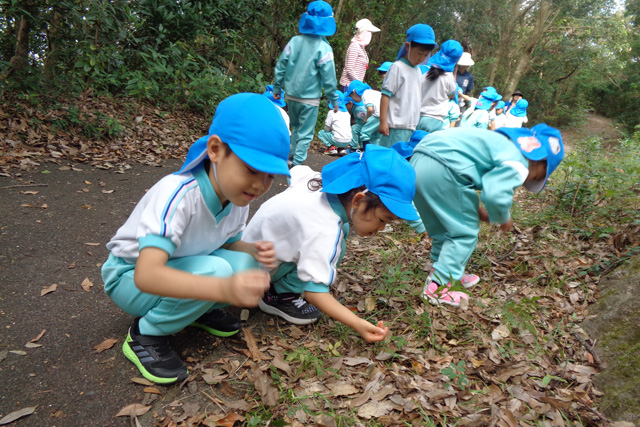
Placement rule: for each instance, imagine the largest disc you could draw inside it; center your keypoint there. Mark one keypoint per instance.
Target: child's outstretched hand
(373, 333)
(247, 288)
(265, 254)
(507, 225)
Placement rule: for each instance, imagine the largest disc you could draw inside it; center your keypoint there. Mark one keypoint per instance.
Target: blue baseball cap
(269, 94)
(487, 97)
(318, 20)
(499, 105)
(447, 57)
(541, 142)
(520, 109)
(405, 149)
(254, 130)
(384, 67)
(419, 33)
(342, 102)
(356, 86)
(382, 171)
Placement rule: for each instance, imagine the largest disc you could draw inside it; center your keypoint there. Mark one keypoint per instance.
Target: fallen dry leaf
(40, 335)
(133, 410)
(152, 390)
(86, 284)
(252, 345)
(105, 345)
(28, 205)
(17, 415)
(142, 381)
(48, 289)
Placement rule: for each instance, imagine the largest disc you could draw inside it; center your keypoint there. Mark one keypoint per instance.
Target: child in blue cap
(304, 69)
(367, 132)
(450, 167)
(517, 114)
(179, 259)
(479, 116)
(401, 89)
(453, 110)
(500, 118)
(337, 135)
(309, 228)
(439, 86)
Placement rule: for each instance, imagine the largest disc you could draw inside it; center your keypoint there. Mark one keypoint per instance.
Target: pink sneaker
(467, 280)
(445, 296)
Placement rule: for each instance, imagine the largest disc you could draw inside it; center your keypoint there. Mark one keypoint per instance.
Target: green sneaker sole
(131, 355)
(212, 331)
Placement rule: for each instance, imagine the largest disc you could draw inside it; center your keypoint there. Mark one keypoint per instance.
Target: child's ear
(215, 149)
(358, 199)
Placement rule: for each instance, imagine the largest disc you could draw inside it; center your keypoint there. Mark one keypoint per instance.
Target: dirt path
(594, 126)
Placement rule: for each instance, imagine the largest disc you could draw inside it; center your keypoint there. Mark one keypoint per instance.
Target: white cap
(366, 25)
(465, 60)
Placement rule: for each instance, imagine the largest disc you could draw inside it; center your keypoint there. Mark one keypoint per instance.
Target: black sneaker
(218, 323)
(290, 307)
(156, 360)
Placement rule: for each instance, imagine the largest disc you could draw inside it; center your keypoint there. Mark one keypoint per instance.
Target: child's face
(354, 95)
(234, 181)
(537, 170)
(369, 222)
(499, 111)
(416, 55)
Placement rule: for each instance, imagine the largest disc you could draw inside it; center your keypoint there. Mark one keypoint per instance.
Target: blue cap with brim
(499, 105)
(384, 67)
(356, 86)
(342, 102)
(318, 20)
(487, 97)
(538, 143)
(254, 130)
(520, 109)
(382, 171)
(419, 33)
(447, 57)
(269, 94)
(348, 99)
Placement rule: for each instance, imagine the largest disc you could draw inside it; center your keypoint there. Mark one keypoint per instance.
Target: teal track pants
(302, 119)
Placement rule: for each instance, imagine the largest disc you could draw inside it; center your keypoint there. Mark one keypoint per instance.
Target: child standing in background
(401, 89)
(280, 103)
(178, 259)
(310, 221)
(439, 86)
(337, 135)
(304, 69)
(517, 114)
(500, 119)
(480, 117)
(450, 167)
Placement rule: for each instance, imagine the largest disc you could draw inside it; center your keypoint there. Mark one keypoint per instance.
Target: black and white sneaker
(219, 323)
(156, 360)
(290, 307)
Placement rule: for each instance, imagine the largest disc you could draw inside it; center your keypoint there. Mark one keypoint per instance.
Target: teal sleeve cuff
(417, 225)
(155, 241)
(234, 239)
(387, 92)
(315, 287)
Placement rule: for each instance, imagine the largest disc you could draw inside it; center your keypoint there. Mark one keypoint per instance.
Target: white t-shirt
(285, 116)
(372, 98)
(340, 125)
(182, 215)
(512, 121)
(435, 95)
(303, 227)
(403, 84)
(500, 121)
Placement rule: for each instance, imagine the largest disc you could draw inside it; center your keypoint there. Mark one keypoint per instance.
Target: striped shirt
(356, 63)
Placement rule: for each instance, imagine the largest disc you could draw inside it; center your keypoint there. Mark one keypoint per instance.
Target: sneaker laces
(298, 302)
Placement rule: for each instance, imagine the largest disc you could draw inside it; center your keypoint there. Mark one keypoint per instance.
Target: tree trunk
(543, 21)
(20, 58)
(53, 37)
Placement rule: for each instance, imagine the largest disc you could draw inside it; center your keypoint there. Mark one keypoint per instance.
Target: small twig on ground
(23, 186)
(589, 348)
(214, 401)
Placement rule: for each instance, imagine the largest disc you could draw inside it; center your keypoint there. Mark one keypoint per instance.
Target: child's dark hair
(371, 200)
(426, 46)
(434, 73)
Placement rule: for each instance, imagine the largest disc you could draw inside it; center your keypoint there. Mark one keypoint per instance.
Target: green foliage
(455, 374)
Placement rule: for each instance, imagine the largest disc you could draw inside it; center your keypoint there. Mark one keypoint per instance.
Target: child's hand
(247, 288)
(373, 333)
(507, 226)
(266, 254)
(383, 128)
(277, 96)
(483, 214)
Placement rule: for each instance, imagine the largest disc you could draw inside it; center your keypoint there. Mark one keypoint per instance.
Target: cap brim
(261, 161)
(402, 210)
(535, 186)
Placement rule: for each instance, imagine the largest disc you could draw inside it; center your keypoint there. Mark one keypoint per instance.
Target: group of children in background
(186, 251)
